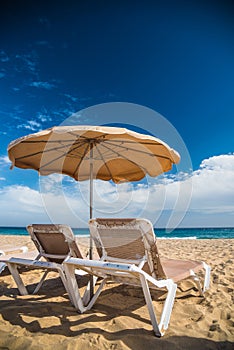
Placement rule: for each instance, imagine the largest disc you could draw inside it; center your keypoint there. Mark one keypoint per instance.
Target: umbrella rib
(48, 141)
(81, 159)
(122, 156)
(108, 169)
(140, 151)
(88, 139)
(153, 143)
(30, 155)
(60, 156)
(45, 151)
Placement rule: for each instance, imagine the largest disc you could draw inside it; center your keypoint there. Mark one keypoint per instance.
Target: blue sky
(173, 57)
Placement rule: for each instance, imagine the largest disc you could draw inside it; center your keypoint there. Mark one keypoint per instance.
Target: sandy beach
(119, 319)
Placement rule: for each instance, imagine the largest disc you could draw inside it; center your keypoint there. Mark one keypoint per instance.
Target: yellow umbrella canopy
(116, 154)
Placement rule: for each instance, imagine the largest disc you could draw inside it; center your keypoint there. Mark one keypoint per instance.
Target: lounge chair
(54, 243)
(129, 255)
(9, 251)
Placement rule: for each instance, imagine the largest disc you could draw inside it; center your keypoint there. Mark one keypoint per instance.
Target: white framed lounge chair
(54, 243)
(8, 252)
(129, 255)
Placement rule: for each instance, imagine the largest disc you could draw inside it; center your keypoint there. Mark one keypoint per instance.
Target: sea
(178, 233)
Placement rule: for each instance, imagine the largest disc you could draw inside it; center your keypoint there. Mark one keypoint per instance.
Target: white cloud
(42, 85)
(4, 160)
(27, 62)
(70, 97)
(51, 183)
(213, 185)
(43, 116)
(20, 205)
(3, 56)
(210, 188)
(30, 125)
(225, 162)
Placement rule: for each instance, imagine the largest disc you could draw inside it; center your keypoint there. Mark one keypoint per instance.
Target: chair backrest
(127, 239)
(54, 242)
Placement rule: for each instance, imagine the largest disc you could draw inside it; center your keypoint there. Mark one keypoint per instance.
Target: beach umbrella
(93, 152)
(88, 152)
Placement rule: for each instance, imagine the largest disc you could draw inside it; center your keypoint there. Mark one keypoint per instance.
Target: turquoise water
(182, 233)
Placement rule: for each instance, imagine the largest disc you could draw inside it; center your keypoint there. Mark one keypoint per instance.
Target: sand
(119, 319)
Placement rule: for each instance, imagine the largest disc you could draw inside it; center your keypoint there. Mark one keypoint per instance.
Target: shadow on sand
(53, 305)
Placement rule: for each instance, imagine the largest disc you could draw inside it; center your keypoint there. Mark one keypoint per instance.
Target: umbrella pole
(91, 213)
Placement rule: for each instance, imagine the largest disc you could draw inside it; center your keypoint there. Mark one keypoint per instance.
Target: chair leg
(196, 280)
(2, 266)
(207, 277)
(73, 289)
(168, 305)
(86, 296)
(96, 295)
(41, 282)
(206, 282)
(74, 293)
(18, 280)
(150, 306)
(64, 280)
